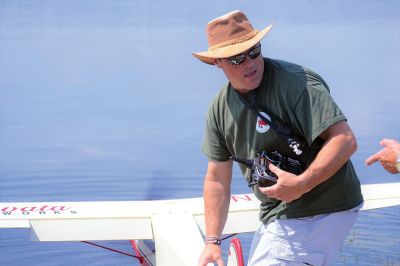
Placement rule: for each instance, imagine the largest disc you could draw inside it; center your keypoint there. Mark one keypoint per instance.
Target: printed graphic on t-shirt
(261, 125)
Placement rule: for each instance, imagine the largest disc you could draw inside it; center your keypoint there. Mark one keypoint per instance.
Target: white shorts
(306, 241)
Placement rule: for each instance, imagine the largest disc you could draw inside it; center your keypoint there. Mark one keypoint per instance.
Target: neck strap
(277, 124)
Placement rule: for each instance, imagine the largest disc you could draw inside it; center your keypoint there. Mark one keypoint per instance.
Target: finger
(202, 262)
(274, 169)
(269, 191)
(392, 170)
(387, 142)
(372, 159)
(220, 262)
(389, 167)
(205, 262)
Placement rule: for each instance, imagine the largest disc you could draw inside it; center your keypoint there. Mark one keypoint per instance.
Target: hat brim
(208, 57)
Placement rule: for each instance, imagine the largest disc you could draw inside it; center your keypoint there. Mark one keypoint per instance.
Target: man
(389, 156)
(276, 108)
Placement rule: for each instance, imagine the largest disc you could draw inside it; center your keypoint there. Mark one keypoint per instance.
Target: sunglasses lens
(254, 53)
(238, 59)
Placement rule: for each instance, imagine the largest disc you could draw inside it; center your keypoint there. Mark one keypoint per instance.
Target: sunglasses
(240, 58)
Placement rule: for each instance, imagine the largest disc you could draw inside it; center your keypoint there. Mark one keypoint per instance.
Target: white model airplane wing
(169, 222)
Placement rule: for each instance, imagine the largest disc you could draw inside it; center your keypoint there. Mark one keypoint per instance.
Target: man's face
(245, 76)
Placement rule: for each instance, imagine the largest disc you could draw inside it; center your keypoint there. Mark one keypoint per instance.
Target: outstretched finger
(374, 158)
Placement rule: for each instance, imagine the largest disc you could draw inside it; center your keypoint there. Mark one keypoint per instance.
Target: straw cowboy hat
(229, 35)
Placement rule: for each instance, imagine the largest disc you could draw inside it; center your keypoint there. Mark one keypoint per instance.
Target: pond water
(102, 100)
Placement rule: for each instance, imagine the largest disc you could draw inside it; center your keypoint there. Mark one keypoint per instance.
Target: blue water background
(102, 100)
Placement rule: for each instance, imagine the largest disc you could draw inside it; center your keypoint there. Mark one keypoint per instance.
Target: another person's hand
(387, 156)
(211, 253)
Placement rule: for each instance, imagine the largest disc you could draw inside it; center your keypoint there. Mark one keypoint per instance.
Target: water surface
(102, 100)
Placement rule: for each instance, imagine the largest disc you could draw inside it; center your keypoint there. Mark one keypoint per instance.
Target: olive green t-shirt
(302, 100)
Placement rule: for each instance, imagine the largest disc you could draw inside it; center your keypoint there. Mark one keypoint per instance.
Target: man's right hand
(211, 253)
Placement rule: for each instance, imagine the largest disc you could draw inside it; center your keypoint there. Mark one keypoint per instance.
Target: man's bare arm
(340, 144)
(217, 188)
(217, 191)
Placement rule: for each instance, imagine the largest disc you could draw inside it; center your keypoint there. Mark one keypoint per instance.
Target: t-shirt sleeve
(316, 110)
(214, 144)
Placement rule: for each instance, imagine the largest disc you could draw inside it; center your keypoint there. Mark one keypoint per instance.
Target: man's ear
(217, 62)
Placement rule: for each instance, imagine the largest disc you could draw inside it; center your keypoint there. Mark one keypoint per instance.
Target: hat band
(234, 41)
